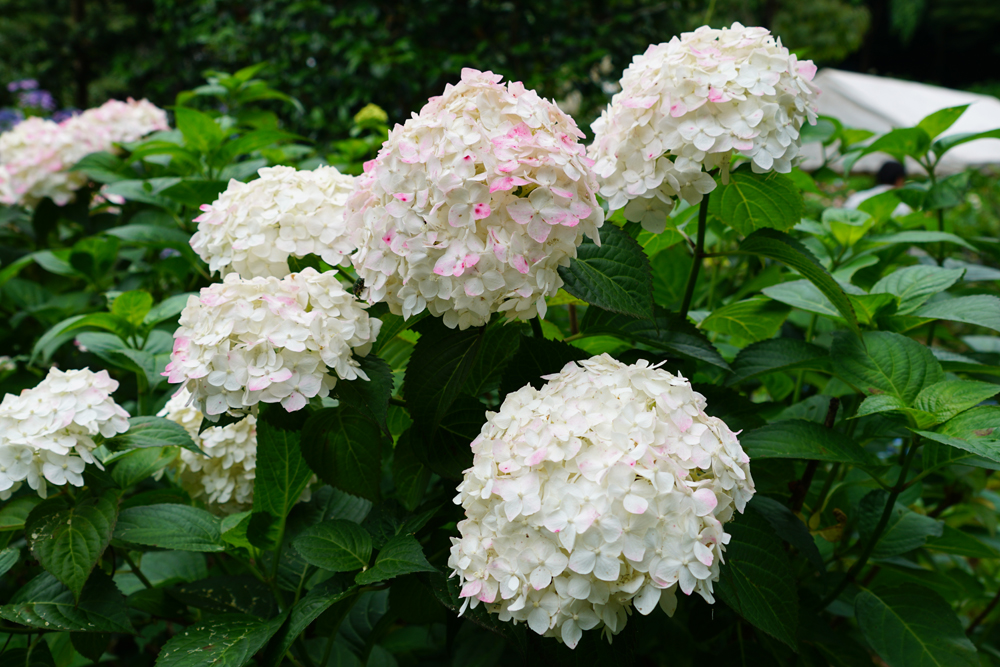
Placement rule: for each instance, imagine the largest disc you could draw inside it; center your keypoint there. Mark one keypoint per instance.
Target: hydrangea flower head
(223, 478)
(253, 228)
(473, 204)
(269, 340)
(687, 106)
(35, 156)
(604, 490)
(47, 433)
(117, 122)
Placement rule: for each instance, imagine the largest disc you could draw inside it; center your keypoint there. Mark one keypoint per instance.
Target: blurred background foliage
(335, 57)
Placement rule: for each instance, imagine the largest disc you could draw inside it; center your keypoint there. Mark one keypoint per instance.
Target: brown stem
(982, 616)
(574, 327)
(800, 489)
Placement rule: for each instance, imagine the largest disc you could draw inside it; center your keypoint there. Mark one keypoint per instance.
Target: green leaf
(94, 256)
(439, 367)
(250, 142)
(885, 363)
(779, 354)
(52, 339)
(132, 306)
(917, 236)
(152, 432)
(671, 269)
(915, 284)
(228, 640)
(153, 235)
(939, 121)
(15, 512)
(803, 295)
(800, 439)
(847, 225)
(534, 358)
(400, 555)
(960, 543)
(320, 598)
(982, 310)
(90, 645)
(447, 453)
(103, 168)
(168, 309)
(789, 528)
(905, 531)
(880, 403)
(243, 594)
(68, 541)
(976, 431)
(911, 627)
(668, 332)
(344, 448)
(8, 559)
(200, 130)
(500, 343)
(614, 276)
(369, 397)
(753, 581)
(137, 465)
(46, 603)
(756, 201)
(195, 192)
(947, 192)
(754, 319)
(336, 545)
(906, 142)
(783, 248)
(282, 472)
(945, 144)
(869, 307)
(410, 477)
(947, 398)
(170, 526)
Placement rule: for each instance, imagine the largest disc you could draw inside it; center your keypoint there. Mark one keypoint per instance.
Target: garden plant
(484, 389)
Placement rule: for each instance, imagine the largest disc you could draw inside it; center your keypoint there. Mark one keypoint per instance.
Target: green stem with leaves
(699, 255)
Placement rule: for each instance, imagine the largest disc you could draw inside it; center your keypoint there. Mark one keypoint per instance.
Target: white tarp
(881, 104)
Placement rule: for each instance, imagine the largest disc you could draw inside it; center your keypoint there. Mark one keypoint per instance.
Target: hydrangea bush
(504, 397)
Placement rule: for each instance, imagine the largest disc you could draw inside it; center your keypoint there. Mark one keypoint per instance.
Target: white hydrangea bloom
(473, 204)
(253, 228)
(270, 340)
(117, 122)
(34, 160)
(604, 490)
(47, 433)
(687, 106)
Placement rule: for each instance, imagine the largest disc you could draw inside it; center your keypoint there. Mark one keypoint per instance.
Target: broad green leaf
(132, 306)
(447, 453)
(438, 369)
(69, 540)
(885, 363)
(409, 476)
(847, 225)
(170, 526)
(671, 269)
(90, 645)
(153, 235)
(371, 396)
(947, 192)
(917, 236)
(755, 201)
(103, 168)
(500, 343)
(910, 627)
(753, 581)
(400, 555)
(152, 432)
(14, 512)
(8, 559)
(344, 448)
(906, 142)
(614, 276)
(94, 256)
(788, 251)
(335, 545)
(779, 354)
(754, 319)
(534, 358)
(250, 142)
(905, 531)
(195, 192)
(982, 310)
(145, 191)
(803, 295)
(52, 339)
(961, 543)
(167, 309)
(882, 206)
(800, 439)
(939, 121)
(46, 603)
(915, 284)
(788, 527)
(200, 130)
(320, 598)
(945, 144)
(137, 465)
(242, 594)
(228, 640)
(282, 472)
(877, 403)
(976, 431)
(947, 398)
(871, 306)
(668, 332)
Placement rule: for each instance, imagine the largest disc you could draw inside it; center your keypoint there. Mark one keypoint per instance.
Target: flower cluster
(36, 154)
(253, 228)
(687, 106)
(47, 433)
(605, 489)
(224, 477)
(473, 204)
(270, 340)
